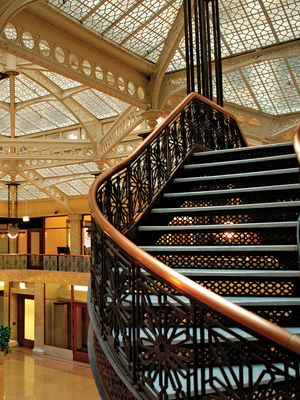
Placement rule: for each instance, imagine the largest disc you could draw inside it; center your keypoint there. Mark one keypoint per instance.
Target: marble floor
(43, 378)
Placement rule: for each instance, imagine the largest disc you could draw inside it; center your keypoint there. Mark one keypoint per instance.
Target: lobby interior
(81, 84)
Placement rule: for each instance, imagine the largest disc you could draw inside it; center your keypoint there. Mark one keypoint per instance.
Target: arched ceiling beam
(171, 45)
(122, 127)
(84, 117)
(48, 38)
(9, 8)
(55, 194)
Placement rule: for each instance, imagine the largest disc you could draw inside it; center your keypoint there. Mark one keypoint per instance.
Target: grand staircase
(196, 266)
(229, 222)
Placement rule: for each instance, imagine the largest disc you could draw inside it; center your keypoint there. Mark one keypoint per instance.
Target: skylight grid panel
(294, 63)
(36, 116)
(154, 5)
(103, 17)
(31, 193)
(3, 193)
(4, 91)
(28, 88)
(91, 166)
(143, 42)
(80, 185)
(61, 81)
(46, 172)
(129, 24)
(116, 34)
(24, 123)
(75, 8)
(94, 104)
(78, 168)
(154, 55)
(56, 114)
(115, 104)
(4, 123)
(236, 90)
(67, 189)
(61, 171)
(97, 24)
(284, 17)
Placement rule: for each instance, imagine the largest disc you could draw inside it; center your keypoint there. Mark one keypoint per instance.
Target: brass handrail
(184, 284)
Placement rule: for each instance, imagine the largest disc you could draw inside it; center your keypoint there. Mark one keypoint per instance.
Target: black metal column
(203, 48)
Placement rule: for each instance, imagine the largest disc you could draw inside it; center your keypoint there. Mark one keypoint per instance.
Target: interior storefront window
(57, 235)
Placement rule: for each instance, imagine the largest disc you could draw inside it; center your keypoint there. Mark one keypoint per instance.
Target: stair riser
(191, 170)
(226, 217)
(281, 261)
(231, 183)
(251, 287)
(214, 156)
(248, 238)
(230, 199)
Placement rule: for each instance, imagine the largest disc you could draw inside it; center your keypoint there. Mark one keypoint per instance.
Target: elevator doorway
(26, 320)
(81, 324)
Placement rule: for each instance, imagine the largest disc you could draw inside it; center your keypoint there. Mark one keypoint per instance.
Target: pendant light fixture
(12, 210)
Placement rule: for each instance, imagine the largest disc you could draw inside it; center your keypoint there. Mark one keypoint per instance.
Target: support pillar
(75, 233)
(39, 318)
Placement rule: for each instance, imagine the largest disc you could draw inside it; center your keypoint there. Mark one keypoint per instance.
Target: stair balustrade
(155, 333)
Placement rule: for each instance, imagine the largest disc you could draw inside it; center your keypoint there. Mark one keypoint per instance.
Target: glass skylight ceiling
(269, 86)
(38, 110)
(142, 26)
(251, 24)
(139, 26)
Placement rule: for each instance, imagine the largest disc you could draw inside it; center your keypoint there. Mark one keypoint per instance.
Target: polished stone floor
(43, 378)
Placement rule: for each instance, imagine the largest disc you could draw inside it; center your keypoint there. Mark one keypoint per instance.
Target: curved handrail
(192, 289)
(160, 127)
(296, 143)
(236, 313)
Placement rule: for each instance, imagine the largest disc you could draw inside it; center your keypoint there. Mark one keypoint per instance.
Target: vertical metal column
(203, 48)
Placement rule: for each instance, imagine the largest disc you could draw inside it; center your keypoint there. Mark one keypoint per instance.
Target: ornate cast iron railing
(165, 336)
(132, 186)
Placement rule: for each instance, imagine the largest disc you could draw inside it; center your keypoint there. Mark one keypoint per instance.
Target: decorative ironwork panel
(115, 387)
(165, 344)
(126, 194)
(170, 346)
(227, 237)
(282, 261)
(235, 217)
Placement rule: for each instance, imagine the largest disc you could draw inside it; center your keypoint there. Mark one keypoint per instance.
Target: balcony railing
(46, 262)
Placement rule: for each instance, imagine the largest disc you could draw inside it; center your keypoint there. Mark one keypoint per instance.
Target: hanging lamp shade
(12, 209)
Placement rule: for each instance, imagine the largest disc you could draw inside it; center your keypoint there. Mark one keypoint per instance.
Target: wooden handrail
(160, 127)
(297, 143)
(184, 284)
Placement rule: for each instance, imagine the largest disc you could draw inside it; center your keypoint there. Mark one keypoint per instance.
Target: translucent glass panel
(250, 24)
(139, 26)
(99, 104)
(30, 193)
(4, 90)
(4, 122)
(61, 81)
(43, 116)
(269, 86)
(27, 89)
(76, 186)
(71, 169)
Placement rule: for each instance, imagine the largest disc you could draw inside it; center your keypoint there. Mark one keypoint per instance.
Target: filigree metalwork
(170, 346)
(162, 342)
(131, 190)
